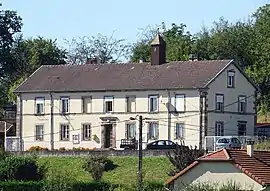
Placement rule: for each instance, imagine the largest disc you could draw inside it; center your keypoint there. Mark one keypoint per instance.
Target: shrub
(21, 168)
(265, 145)
(183, 156)
(21, 186)
(229, 186)
(59, 180)
(37, 148)
(96, 165)
(3, 154)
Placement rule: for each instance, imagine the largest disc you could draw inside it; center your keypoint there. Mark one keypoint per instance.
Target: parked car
(129, 144)
(229, 143)
(161, 144)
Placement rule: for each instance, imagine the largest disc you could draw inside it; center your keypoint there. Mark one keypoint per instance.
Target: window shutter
(175, 131)
(126, 131)
(157, 131)
(148, 131)
(180, 102)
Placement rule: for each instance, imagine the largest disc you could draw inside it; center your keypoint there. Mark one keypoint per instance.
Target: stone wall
(120, 153)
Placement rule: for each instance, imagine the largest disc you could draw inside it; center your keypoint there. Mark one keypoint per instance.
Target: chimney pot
(92, 61)
(250, 148)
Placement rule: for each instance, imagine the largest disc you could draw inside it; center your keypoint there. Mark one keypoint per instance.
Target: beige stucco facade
(166, 120)
(217, 173)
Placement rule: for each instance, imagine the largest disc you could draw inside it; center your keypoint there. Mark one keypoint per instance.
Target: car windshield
(224, 140)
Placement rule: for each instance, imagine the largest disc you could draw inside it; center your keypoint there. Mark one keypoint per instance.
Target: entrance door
(108, 135)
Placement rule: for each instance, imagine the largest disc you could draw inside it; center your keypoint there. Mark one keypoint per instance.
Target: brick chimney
(92, 61)
(158, 51)
(250, 148)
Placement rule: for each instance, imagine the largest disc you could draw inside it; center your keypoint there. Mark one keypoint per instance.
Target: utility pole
(140, 155)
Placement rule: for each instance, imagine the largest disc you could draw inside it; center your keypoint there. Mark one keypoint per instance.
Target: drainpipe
(20, 121)
(169, 115)
(52, 121)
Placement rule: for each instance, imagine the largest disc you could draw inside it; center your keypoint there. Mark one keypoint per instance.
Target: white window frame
(67, 105)
(86, 132)
(39, 137)
(39, 102)
(180, 102)
(153, 131)
(151, 103)
(64, 132)
(219, 103)
(108, 99)
(230, 79)
(242, 104)
(219, 128)
(128, 132)
(179, 131)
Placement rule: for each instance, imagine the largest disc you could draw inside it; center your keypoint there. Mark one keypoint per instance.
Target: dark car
(161, 144)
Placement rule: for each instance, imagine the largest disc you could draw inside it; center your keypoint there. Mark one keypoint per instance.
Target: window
(230, 79)
(131, 104)
(64, 132)
(179, 131)
(39, 133)
(108, 104)
(242, 104)
(86, 132)
(86, 104)
(131, 131)
(219, 130)
(242, 127)
(40, 102)
(219, 102)
(153, 103)
(180, 102)
(64, 105)
(153, 130)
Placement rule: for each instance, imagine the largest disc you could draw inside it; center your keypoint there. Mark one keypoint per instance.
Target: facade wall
(217, 173)
(231, 116)
(76, 118)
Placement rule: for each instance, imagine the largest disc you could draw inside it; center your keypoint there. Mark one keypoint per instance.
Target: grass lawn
(154, 168)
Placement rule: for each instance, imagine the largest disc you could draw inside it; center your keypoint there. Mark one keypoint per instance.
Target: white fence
(12, 144)
(210, 141)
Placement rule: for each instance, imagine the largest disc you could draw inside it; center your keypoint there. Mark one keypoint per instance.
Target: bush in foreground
(21, 168)
(96, 165)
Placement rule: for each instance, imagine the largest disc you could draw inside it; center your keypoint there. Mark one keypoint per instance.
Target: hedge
(78, 186)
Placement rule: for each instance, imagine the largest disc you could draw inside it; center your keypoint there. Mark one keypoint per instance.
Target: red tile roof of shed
(256, 167)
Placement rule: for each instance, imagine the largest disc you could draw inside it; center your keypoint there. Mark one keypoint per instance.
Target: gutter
(52, 121)
(169, 114)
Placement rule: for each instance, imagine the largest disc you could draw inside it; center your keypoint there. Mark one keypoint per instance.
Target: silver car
(229, 143)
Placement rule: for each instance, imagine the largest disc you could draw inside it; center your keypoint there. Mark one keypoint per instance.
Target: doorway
(108, 135)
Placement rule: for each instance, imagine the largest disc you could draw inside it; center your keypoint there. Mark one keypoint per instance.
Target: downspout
(20, 121)
(169, 115)
(255, 115)
(52, 121)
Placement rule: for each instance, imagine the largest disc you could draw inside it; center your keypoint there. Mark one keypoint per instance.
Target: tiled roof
(256, 167)
(130, 76)
(262, 125)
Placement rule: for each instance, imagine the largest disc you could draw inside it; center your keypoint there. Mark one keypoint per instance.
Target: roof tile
(131, 76)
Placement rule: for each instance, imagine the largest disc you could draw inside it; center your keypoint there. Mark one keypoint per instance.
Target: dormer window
(230, 79)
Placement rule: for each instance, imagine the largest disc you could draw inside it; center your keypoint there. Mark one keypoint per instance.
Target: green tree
(28, 55)
(178, 43)
(105, 49)
(260, 51)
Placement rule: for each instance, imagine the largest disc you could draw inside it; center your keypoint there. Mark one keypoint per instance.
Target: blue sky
(65, 19)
